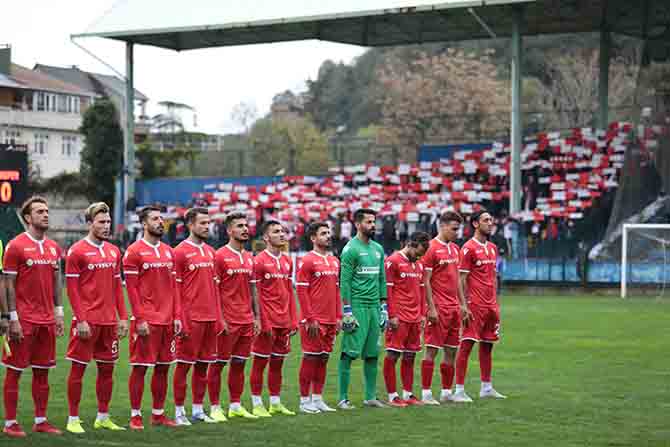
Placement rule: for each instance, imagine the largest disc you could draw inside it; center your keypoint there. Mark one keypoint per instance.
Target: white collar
(98, 246)
(38, 241)
(276, 258)
(155, 247)
(482, 244)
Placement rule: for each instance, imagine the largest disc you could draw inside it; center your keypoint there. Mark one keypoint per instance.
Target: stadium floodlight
(645, 255)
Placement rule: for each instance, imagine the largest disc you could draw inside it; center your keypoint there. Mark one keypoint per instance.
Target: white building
(43, 113)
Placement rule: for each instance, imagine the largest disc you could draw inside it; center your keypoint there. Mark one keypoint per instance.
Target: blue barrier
(429, 152)
(180, 190)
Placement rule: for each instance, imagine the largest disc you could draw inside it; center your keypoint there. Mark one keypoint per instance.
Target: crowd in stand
(568, 183)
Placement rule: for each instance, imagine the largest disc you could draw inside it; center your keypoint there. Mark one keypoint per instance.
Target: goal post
(654, 251)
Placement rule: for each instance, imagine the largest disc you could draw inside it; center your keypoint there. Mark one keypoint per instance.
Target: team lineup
(204, 310)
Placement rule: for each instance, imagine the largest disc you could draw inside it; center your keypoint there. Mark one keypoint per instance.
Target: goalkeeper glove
(384, 316)
(349, 322)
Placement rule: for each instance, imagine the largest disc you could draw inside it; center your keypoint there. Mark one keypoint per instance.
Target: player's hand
(15, 331)
(293, 332)
(312, 328)
(257, 326)
(60, 326)
(384, 316)
(432, 315)
(466, 315)
(178, 327)
(143, 329)
(393, 323)
(338, 326)
(423, 323)
(122, 328)
(83, 330)
(4, 327)
(349, 322)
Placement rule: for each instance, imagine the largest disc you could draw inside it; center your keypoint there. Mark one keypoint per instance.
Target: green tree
(288, 146)
(153, 163)
(102, 155)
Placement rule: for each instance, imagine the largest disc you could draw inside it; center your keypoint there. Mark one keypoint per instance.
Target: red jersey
(235, 271)
(34, 263)
(196, 280)
(275, 292)
(93, 275)
(479, 261)
(442, 259)
(150, 280)
(317, 283)
(404, 280)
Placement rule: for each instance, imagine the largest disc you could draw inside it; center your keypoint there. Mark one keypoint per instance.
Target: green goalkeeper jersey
(362, 277)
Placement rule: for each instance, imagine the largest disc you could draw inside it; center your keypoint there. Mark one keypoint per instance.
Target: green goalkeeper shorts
(364, 341)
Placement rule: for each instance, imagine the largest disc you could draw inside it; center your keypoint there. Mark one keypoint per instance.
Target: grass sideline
(579, 371)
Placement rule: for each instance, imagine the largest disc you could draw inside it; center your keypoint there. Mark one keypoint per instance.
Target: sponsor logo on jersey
(326, 273)
(448, 261)
(410, 275)
(231, 272)
(101, 265)
(276, 276)
(31, 262)
(156, 265)
(200, 265)
(368, 270)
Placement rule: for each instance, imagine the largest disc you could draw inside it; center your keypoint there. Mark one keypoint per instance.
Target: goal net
(645, 260)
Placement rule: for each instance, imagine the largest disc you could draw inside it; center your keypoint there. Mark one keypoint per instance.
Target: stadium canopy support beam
(129, 159)
(604, 78)
(516, 131)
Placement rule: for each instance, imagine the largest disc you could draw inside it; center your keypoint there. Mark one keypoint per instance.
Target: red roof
(32, 79)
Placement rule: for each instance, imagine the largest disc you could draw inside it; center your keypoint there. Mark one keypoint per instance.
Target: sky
(212, 81)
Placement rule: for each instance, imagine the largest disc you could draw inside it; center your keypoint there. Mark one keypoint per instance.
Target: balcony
(43, 120)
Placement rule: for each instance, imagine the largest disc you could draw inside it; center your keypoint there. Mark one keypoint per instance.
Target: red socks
(447, 373)
(307, 374)
(407, 373)
(485, 361)
(11, 393)
(104, 384)
(275, 376)
(199, 382)
(214, 382)
(389, 374)
(256, 378)
(159, 386)
(179, 383)
(462, 361)
(136, 386)
(74, 384)
(40, 391)
(236, 381)
(319, 375)
(427, 367)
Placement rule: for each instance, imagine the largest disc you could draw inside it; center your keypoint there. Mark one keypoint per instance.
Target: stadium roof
(179, 25)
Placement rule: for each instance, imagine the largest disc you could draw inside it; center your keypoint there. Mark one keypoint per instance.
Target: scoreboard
(13, 175)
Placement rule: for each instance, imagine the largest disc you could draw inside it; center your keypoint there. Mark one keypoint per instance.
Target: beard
(158, 232)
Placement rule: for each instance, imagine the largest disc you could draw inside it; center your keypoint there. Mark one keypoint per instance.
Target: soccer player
(444, 298)
(317, 284)
(405, 297)
(201, 315)
(4, 313)
(478, 276)
(93, 276)
(235, 269)
(155, 302)
(362, 287)
(36, 314)
(272, 273)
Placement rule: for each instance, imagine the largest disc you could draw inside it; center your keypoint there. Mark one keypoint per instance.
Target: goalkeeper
(363, 287)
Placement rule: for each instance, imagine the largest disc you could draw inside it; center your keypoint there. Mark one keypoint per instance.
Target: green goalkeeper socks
(370, 372)
(344, 375)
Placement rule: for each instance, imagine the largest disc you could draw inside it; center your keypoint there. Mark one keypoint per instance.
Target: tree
(293, 146)
(244, 114)
(102, 155)
(153, 163)
(446, 97)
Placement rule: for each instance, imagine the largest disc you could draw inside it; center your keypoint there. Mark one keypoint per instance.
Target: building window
(41, 144)
(12, 137)
(77, 105)
(69, 147)
(42, 101)
(62, 103)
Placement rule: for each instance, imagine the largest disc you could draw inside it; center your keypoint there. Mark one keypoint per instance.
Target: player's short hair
(27, 206)
(313, 229)
(144, 212)
(94, 209)
(419, 238)
(192, 214)
(476, 216)
(451, 216)
(268, 224)
(232, 217)
(360, 214)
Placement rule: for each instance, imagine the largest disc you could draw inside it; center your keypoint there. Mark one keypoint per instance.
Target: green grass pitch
(578, 372)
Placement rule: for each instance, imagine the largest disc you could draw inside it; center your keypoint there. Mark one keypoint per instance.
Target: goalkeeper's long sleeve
(347, 268)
